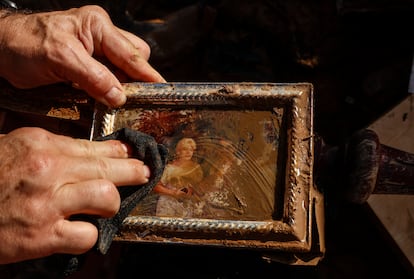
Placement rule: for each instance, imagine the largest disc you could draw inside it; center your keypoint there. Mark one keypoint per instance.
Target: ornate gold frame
(291, 231)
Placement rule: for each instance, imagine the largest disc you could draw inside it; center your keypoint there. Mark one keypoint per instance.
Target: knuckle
(99, 76)
(39, 163)
(34, 133)
(102, 167)
(85, 147)
(28, 153)
(145, 51)
(135, 59)
(110, 196)
(116, 148)
(37, 160)
(94, 11)
(137, 167)
(99, 80)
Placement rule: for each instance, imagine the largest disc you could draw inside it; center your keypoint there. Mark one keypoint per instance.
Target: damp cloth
(154, 155)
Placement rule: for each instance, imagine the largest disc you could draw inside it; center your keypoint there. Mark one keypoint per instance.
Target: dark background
(357, 55)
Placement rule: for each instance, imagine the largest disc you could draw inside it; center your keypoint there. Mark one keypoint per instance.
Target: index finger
(78, 66)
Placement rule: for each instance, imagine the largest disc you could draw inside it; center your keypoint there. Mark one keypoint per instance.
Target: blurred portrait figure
(176, 187)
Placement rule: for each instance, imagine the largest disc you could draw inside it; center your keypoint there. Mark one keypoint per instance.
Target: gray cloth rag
(154, 155)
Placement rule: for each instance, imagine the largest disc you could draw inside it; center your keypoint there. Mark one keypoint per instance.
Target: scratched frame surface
(253, 120)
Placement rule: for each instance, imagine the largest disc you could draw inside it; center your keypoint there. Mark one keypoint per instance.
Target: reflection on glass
(222, 163)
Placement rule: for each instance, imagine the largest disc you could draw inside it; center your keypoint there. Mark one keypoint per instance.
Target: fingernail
(147, 171)
(115, 97)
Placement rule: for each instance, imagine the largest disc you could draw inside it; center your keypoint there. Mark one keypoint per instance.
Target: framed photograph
(240, 166)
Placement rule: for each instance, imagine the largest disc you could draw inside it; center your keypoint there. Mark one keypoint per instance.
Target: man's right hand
(47, 178)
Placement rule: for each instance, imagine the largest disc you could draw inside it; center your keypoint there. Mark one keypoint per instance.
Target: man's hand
(47, 178)
(73, 46)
